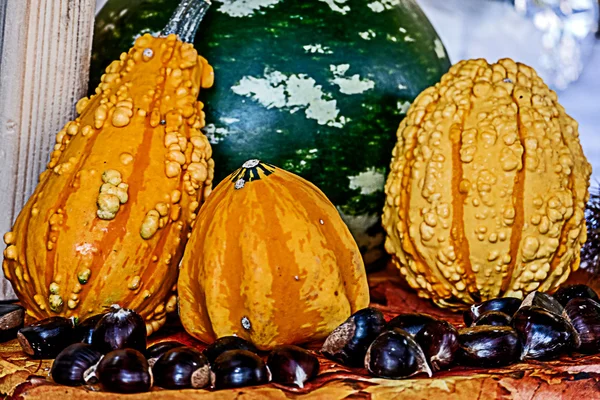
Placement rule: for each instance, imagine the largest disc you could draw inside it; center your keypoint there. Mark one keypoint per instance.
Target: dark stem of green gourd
(186, 19)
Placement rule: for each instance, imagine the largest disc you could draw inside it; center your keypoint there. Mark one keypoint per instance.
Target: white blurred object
(553, 36)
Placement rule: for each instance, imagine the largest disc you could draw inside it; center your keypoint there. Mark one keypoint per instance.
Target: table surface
(570, 377)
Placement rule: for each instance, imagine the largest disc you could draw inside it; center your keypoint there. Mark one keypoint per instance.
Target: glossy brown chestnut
(544, 334)
(439, 342)
(154, 352)
(567, 293)
(226, 343)
(348, 342)
(11, 320)
(85, 329)
(238, 368)
(181, 368)
(584, 314)
(120, 328)
(544, 301)
(292, 365)
(488, 346)
(72, 362)
(47, 338)
(493, 318)
(124, 371)
(411, 322)
(395, 355)
(507, 305)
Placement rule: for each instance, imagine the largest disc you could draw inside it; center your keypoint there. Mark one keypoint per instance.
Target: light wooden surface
(43, 72)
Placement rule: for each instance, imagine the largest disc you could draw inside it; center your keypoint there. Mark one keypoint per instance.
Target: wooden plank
(45, 53)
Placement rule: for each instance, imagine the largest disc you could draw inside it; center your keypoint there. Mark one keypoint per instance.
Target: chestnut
(507, 305)
(488, 346)
(85, 329)
(542, 300)
(123, 371)
(11, 320)
(584, 314)
(154, 352)
(544, 334)
(493, 318)
(181, 368)
(395, 355)
(348, 342)
(567, 293)
(120, 328)
(227, 343)
(46, 338)
(72, 362)
(292, 365)
(411, 322)
(439, 342)
(238, 368)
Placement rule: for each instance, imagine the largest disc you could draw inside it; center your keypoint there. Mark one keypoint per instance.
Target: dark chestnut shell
(47, 338)
(11, 320)
(544, 301)
(154, 352)
(394, 355)
(544, 334)
(292, 365)
(488, 346)
(120, 328)
(181, 368)
(348, 342)
(124, 371)
(493, 318)
(238, 368)
(584, 314)
(411, 322)
(507, 305)
(226, 343)
(439, 342)
(85, 329)
(567, 293)
(72, 362)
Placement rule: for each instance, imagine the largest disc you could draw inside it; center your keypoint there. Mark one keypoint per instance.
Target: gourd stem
(186, 19)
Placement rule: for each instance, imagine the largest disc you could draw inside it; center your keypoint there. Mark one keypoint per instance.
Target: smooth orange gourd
(488, 187)
(269, 260)
(110, 216)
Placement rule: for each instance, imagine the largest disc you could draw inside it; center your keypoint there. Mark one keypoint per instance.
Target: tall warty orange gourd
(269, 260)
(110, 216)
(488, 187)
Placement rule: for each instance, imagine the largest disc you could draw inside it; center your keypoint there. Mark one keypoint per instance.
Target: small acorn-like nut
(71, 363)
(181, 368)
(411, 322)
(567, 293)
(488, 346)
(238, 368)
(11, 320)
(348, 343)
(120, 328)
(507, 305)
(292, 365)
(544, 301)
(84, 330)
(124, 371)
(584, 314)
(46, 338)
(493, 318)
(395, 355)
(154, 352)
(439, 342)
(544, 335)
(226, 343)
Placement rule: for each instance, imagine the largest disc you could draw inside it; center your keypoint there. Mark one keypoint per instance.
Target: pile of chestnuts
(110, 350)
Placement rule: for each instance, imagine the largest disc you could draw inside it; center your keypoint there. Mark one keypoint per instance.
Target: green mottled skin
(273, 38)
